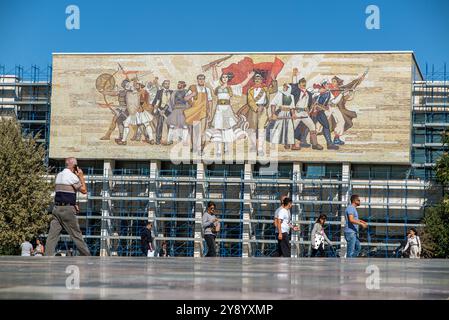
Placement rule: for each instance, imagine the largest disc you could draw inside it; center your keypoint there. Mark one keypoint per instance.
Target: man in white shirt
(283, 226)
(275, 222)
(27, 248)
(68, 183)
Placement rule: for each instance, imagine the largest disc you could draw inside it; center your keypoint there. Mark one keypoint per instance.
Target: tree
(442, 165)
(25, 193)
(436, 219)
(436, 231)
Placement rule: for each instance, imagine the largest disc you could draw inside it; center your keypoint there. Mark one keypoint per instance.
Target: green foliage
(442, 164)
(436, 237)
(445, 137)
(442, 169)
(25, 193)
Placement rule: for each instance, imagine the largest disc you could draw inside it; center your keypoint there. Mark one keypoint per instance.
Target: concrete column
(345, 191)
(247, 212)
(199, 209)
(297, 213)
(155, 166)
(154, 173)
(105, 243)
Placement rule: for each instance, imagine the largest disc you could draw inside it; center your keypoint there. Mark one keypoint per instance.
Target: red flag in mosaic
(241, 69)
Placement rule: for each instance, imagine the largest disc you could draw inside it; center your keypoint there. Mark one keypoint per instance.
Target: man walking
(275, 222)
(147, 241)
(283, 226)
(68, 182)
(352, 227)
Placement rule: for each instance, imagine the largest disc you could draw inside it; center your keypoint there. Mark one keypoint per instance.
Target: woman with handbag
(318, 236)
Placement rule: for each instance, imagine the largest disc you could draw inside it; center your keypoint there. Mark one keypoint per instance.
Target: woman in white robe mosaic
(281, 129)
(224, 123)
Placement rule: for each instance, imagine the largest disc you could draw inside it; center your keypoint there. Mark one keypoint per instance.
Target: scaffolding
(124, 195)
(174, 220)
(25, 93)
(120, 202)
(221, 185)
(430, 119)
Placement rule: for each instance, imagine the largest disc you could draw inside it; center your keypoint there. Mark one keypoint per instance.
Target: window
(132, 167)
(438, 117)
(88, 166)
(314, 170)
(400, 172)
(328, 171)
(91, 166)
(56, 165)
(281, 170)
(434, 136)
(168, 168)
(380, 172)
(228, 170)
(419, 155)
(333, 171)
(420, 173)
(419, 136)
(419, 118)
(360, 171)
(435, 155)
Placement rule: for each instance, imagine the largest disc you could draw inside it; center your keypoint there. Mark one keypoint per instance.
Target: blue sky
(31, 30)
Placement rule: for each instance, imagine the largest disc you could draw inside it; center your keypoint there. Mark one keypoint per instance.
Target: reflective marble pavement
(221, 278)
